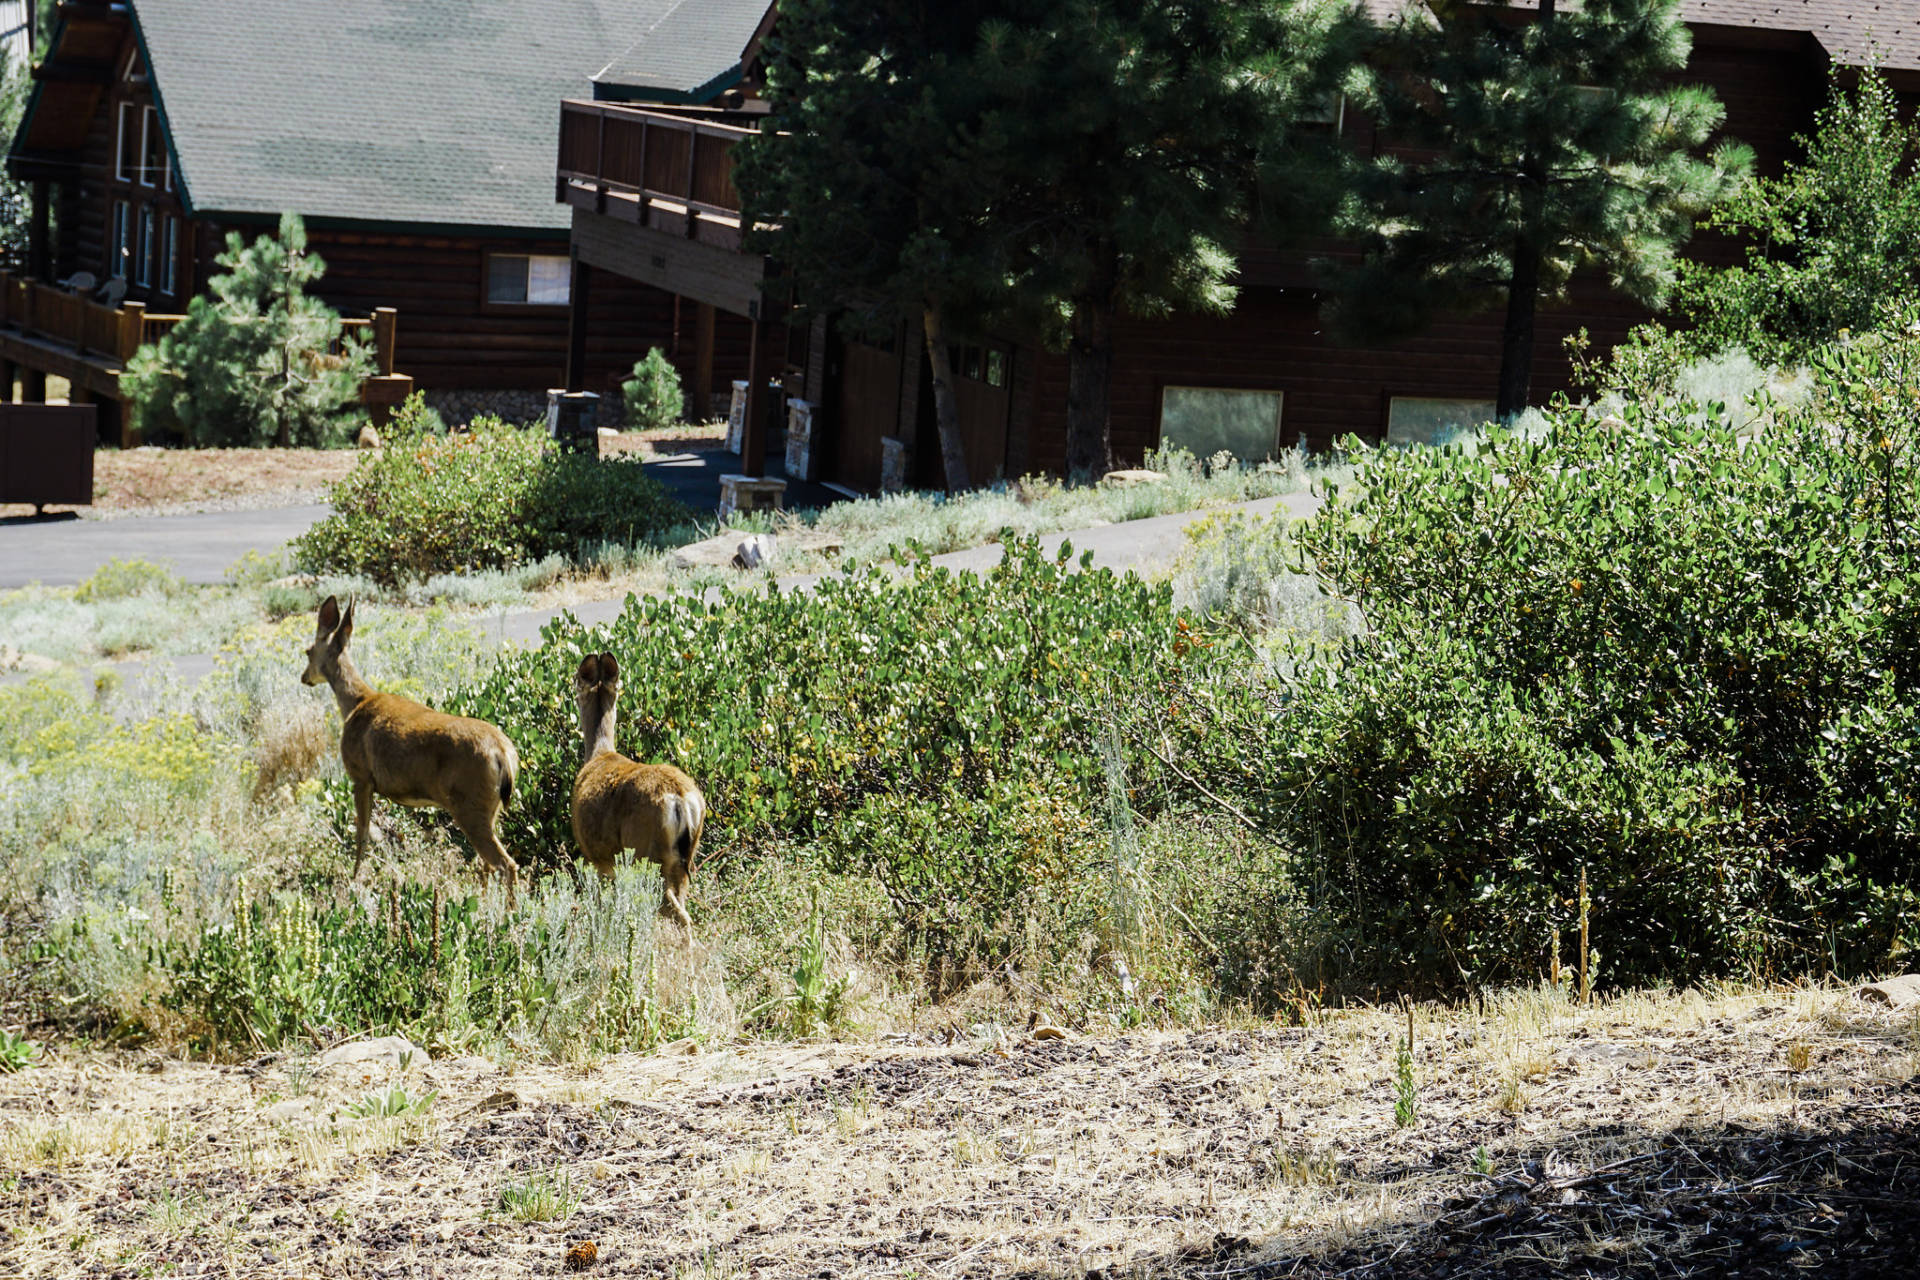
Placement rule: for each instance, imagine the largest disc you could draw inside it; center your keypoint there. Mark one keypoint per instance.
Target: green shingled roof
(382, 111)
(682, 51)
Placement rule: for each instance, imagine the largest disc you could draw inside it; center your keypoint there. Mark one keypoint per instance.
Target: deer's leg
(673, 889)
(478, 828)
(362, 818)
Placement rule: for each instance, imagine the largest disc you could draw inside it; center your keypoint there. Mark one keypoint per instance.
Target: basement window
(529, 279)
(1422, 420)
(1206, 421)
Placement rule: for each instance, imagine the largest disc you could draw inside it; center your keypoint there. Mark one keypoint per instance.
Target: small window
(146, 247)
(535, 280)
(128, 156)
(1420, 420)
(1209, 420)
(996, 368)
(170, 256)
(1329, 110)
(151, 151)
(120, 251)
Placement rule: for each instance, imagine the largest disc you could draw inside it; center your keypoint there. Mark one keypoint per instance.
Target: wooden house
(416, 142)
(652, 201)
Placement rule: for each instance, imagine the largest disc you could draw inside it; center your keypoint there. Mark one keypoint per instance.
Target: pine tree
(1135, 132)
(878, 184)
(254, 362)
(1526, 150)
(1833, 243)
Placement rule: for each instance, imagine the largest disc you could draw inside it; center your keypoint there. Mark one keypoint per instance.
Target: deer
(413, 755)
(653, 809)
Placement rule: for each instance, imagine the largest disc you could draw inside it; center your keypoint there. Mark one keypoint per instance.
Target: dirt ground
(1753, 1133)
(150, 481)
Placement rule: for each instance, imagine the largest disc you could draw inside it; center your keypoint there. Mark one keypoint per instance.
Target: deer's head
(329, 642)
(596, 690)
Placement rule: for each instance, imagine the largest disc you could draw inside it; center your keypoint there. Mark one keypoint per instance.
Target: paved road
(200, 548)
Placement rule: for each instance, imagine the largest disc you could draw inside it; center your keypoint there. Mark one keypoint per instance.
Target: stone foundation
(458, 408)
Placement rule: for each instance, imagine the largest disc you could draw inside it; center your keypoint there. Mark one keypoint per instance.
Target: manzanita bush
(1678, 658)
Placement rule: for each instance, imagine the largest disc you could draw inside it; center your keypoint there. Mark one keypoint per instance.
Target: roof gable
(685, 51)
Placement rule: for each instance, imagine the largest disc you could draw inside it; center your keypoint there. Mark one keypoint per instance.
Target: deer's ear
(345, 633)
(589, 672)
(329, 615)
(609, 669)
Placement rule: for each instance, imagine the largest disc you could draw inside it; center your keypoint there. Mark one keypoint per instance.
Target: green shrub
(1678, 658)
(938, 730)
(652, 396)
(120, 579)
(492, 497)
(256, 361)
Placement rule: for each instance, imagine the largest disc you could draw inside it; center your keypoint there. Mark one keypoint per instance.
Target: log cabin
(649, 189)
(416, 142)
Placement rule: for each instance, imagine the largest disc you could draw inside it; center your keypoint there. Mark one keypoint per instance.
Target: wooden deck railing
(94, 331)
(671, 173)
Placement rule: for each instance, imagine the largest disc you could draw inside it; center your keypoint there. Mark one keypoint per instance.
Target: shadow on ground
(1839, 1201)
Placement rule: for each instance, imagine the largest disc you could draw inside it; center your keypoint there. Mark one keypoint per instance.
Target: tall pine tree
(1526, 147)
(878, 190)
(1134, 132)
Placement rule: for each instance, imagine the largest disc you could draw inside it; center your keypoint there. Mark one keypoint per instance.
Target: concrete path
(60, 553)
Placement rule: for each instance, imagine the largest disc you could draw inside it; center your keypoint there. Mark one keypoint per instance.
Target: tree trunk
(1090, 374)
(1516, 342)
(946, 407)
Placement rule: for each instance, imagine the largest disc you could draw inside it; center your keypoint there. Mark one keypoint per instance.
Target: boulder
(369, 438)
(755, 551)
(1128, 477)
(387, 1051)
(1895, 993)
(292, 1111)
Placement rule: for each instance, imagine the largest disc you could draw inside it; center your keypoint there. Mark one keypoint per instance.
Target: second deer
(413, 755)
(653, 809)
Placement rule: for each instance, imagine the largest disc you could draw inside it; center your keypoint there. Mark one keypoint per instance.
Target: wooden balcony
(668, 173)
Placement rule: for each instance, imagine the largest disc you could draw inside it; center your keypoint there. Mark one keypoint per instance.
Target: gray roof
(683, 50)
(407, 111)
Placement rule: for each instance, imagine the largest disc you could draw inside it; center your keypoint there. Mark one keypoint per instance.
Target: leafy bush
(118, 579)
(492, 497)
(256, 361)
(652, 396)
(1679, 659)
(937, 731)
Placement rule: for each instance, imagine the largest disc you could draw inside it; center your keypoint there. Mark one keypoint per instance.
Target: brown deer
(653, 809)
(413, 755)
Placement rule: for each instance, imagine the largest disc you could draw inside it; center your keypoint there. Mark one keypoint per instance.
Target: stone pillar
(579, 294)
(573, 420)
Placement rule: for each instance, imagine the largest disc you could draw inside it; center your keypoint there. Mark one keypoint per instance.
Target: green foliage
(389, 1103)
(1833, 243)
(491, 497)
(1675, 656)
(1526, 151)
(257, 361)
(1406, 1093)
(17, 1053)
(546, 1196)
(118, 579)
(937, 731)
(652, 396)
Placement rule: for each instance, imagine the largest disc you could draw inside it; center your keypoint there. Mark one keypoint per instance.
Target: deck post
(38, 225)
(33, 386)
(702, 361)
(386, 325)
(578, 297)
(760, 363)
(8, 372)
(133, 316)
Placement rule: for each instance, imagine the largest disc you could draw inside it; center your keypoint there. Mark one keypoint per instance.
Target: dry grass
(152, 479)
(988, 1156)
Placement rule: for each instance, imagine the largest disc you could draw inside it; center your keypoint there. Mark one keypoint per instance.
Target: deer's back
(620, 804)
(415, 754)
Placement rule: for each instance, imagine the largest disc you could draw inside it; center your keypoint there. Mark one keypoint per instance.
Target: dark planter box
(46, 454)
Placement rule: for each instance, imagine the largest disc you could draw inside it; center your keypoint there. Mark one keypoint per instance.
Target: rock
(11, 659)
(369, 438)
(1128, 477)
(609, 433)
(755, 551)
(292, 1111)
(1047, 1031)
(387, 1051)
(714, 553)
(1896, 993)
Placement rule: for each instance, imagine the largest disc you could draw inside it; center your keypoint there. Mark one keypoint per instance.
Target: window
(1209, 420)
(535, 280)
(127, 158)
(169, 256)
(1420, 420)
(152, 151)
(978, 364)
(118, 250)
(996, 367)
(1328, 109)
(145, 248)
